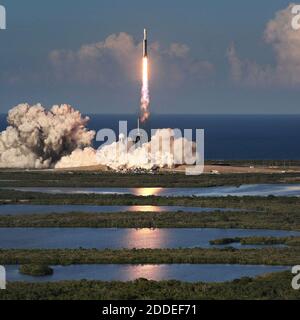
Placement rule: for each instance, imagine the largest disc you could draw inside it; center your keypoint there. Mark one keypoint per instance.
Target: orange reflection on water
(148, 271)
(144, 209)
(147, 191)
(145, 238)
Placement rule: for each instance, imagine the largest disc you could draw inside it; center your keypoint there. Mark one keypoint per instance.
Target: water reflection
(147, 271)
(182, 272)
(40, 238)
(243, 190)
(27, 209)
(145, 238)
(147, 191)
(149, 209)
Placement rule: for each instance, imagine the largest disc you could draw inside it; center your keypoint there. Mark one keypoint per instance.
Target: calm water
(243, 190)
(114, 238)
(26, 209)
(183, 272)
(226, 136)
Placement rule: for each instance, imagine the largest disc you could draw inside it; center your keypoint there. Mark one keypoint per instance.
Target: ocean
(227, 137)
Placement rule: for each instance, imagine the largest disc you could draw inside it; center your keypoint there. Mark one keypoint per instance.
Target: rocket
(145, 49)
(138, 136)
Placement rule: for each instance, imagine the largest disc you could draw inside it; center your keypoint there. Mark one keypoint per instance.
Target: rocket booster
(145, 44)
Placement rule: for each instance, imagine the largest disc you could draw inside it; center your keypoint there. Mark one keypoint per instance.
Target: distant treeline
(264, 163)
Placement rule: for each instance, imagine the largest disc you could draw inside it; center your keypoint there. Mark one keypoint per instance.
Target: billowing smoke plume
(37, 138)
(162, 151)
(79, 158)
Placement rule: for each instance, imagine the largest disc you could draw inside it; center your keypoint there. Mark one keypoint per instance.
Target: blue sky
(42, 60)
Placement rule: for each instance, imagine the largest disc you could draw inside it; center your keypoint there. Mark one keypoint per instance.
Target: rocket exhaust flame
(145, 97)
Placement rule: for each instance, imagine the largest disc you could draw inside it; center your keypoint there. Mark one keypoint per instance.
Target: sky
(206, 57)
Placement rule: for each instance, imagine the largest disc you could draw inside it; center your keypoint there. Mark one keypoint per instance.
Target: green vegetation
(224, 241)
(270, 203)
(255, 212)
(267, 256)
(271, 286)
(35, 270)
(289, 241)
(21, 178)
(250, 220)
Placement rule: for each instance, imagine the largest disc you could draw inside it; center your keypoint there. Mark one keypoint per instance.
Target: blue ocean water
(227, 137)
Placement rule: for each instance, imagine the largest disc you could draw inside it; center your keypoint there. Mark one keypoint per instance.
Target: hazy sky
(206, 56)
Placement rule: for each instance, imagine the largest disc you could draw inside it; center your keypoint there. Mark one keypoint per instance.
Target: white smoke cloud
(79, 158)
(164, 150)
(178, 50)
(285, 42)
(37, 138)
(102, 61)
(249, 73)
